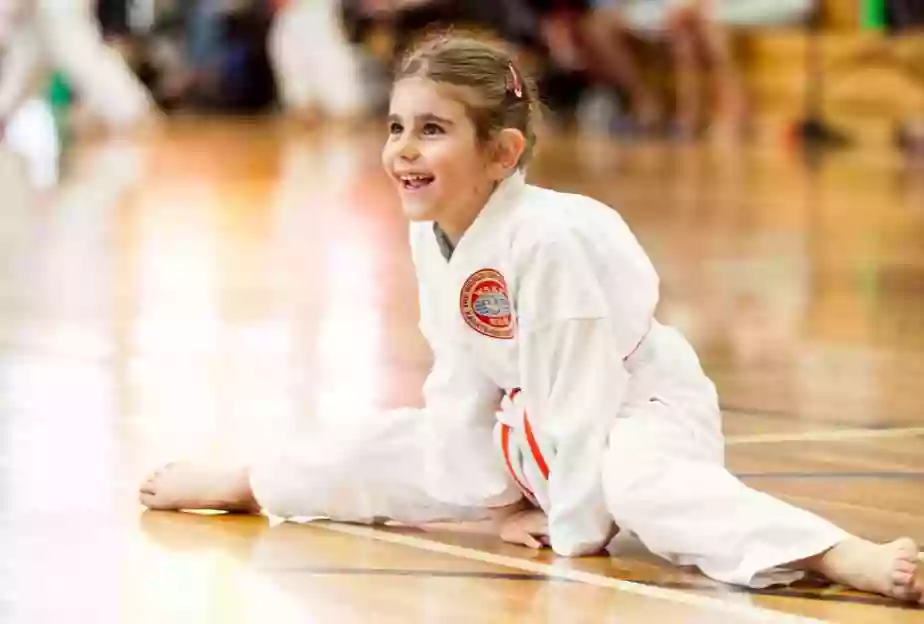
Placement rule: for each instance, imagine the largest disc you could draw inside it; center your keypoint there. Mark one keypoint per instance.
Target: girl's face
(433, 156)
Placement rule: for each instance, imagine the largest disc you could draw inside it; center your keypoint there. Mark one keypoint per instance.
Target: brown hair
(503, 96)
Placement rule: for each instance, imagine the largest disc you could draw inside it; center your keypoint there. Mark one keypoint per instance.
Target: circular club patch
(485, 305)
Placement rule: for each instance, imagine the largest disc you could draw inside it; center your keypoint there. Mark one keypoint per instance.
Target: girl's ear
(509, 144)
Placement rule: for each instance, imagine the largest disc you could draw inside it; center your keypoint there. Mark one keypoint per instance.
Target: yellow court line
(830, 435)
(745, 611)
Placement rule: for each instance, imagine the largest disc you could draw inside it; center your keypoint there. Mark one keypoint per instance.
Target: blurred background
(823, 72)
(200, 253)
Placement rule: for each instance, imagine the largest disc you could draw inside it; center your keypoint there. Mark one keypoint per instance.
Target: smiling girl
(557, 404)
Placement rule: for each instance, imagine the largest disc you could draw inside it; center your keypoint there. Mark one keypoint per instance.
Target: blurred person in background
(568, 60)
(209, 55)
(318, 73)
(38, 38)
(70, 40)
(699, 47)
(28, 129)
(544, 33)
(162, 60)
(203, 20)
(44, 44)
(606, 34)
(216, 49)
(245, 75)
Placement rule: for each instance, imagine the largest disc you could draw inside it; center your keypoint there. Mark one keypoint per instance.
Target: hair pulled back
(499, 95)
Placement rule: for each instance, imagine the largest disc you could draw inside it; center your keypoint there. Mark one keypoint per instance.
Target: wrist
(499, 514)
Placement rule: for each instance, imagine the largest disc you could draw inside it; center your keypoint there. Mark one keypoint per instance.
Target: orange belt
(531, 438)
(533, 447)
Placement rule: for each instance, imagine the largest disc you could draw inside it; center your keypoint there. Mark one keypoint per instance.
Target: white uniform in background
(28, 125)
(71, 38)
(315, 65)
(607, 416)
(650, 16)
(62, 35)
(32, 134)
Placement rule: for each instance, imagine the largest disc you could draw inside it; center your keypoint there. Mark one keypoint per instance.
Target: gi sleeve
(575, 379)
(575, 333)
(462, 464)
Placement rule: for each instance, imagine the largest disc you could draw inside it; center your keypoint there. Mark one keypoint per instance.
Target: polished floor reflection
(223, 285)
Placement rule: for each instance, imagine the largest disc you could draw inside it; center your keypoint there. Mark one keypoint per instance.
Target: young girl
(542, 302)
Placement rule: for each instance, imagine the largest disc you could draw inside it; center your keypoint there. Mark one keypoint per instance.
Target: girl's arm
(575, 332)
(576, 384)
(462, 461)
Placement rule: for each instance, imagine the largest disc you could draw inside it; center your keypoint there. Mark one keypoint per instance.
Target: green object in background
(59, 96)
(873, 14)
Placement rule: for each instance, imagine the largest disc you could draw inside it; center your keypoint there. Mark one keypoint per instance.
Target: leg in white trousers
(666, 482)
(364, 474)
(314, 65)
(103, 81)
(663, 475)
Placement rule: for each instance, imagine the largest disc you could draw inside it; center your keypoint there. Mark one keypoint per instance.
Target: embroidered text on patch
(485, 304)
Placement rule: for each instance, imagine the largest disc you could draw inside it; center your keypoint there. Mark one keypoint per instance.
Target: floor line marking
(828, 435)
(751, 612)
(824, 474)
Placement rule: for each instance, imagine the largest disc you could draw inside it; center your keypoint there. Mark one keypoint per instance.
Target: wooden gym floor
(201, 290)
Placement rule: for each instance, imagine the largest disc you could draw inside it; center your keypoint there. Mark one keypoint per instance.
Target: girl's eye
(395, 128)
(431, 129)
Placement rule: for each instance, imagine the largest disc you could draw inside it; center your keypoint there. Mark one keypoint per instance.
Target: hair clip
(517, 85)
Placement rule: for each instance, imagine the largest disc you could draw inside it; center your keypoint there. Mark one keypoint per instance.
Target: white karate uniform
(607, 417)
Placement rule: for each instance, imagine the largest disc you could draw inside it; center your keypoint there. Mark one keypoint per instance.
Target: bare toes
(909, 594)
(165, 468)
(907, 547)
(904, 579)
(154, 474)
(906, 587)
(149, 485)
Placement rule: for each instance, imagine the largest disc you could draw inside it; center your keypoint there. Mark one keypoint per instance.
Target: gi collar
(504, 196)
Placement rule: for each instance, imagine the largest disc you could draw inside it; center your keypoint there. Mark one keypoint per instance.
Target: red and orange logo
(485, 304)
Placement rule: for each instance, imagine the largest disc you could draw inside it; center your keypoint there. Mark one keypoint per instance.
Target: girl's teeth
(416, 181)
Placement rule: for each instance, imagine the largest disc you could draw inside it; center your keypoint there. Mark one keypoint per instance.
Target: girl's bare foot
(186, 485)
(888, 569)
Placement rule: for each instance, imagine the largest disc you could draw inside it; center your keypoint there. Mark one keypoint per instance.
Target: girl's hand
(528, 528)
